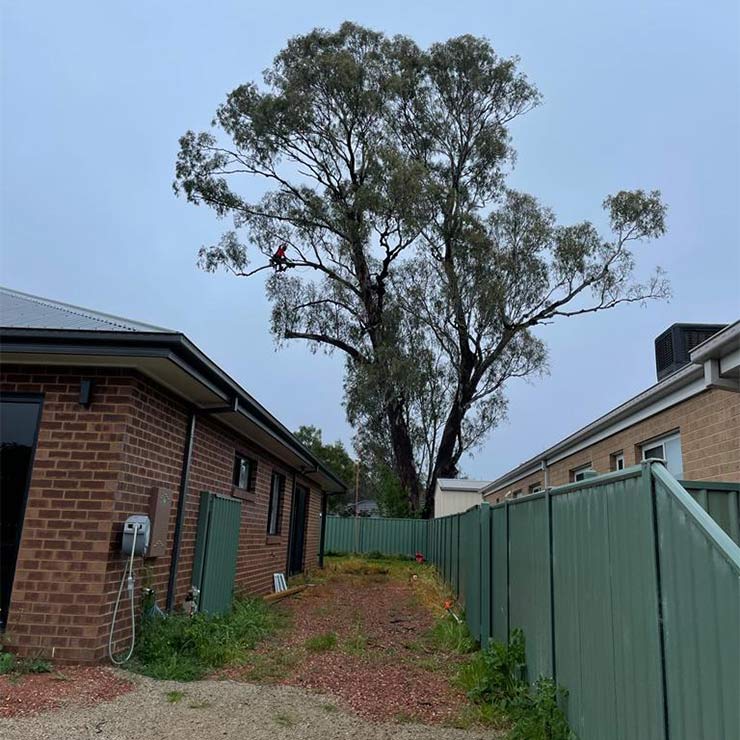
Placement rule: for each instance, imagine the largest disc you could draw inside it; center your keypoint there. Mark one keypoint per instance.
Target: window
(618, 461)
(536, 487)
(275, 510)
(245, 472)
(580, 473)
(666, 448)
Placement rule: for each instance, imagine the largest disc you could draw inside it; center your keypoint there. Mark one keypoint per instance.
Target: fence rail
(627, 588)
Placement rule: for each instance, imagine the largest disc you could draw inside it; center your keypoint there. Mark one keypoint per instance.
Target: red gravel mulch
(377, 667)
(21, 696)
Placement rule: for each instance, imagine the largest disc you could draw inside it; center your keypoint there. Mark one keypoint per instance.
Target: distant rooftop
(24, 311)
(461, 484)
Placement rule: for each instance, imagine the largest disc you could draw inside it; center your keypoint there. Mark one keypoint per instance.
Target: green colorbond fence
(365, 535)
(627, 588)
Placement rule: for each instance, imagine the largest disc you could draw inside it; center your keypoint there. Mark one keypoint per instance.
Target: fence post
(508, 579)
(485, 573)
(548, 499)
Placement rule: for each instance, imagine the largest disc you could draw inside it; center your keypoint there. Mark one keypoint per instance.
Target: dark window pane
(276, 504)
(18, 422)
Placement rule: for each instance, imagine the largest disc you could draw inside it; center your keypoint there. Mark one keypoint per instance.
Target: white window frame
(619, 463)
(675, 469)
(579, 472)
(536, 488)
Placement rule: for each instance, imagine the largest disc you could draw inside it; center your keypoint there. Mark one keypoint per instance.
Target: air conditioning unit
(673, 346)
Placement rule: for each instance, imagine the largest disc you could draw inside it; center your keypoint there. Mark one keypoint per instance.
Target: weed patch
(10, 665)
(320, 643)
(450, 636)
(183, 648)
(284, 720)
(495, 679)
(173, 697)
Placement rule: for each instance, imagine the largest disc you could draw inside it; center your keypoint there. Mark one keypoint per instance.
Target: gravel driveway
(217, 709)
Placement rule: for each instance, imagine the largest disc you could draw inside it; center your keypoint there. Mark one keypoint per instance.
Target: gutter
(682, 378)
(172, 346)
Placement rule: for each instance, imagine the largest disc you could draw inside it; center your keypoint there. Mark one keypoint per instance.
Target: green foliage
(7, 661)
(184, 648)
(502, 671)
(321, 643)
(173, 697)
(496, 677)
(450, 636)
(384, 168)
(335, 457)
(540, 716)
(10, 664)
(392, 500)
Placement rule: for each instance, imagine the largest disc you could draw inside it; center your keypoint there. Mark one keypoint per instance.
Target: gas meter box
(136, 534)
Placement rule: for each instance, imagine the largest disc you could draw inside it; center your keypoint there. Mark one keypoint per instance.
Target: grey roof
(24, 311)
(461, 484)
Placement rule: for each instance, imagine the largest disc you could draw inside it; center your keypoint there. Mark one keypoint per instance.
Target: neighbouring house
(690, 419)
(455, 495)
(103, 418)
(364, 507)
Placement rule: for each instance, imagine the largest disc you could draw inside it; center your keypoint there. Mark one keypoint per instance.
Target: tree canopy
(385, 167)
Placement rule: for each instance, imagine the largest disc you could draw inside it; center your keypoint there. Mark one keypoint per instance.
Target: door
(216, 549)
(19, 421)
(298, 529)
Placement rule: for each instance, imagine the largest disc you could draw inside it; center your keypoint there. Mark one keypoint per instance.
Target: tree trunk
(403, 453)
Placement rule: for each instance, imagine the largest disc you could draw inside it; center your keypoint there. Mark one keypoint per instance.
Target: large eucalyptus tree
(384, 169)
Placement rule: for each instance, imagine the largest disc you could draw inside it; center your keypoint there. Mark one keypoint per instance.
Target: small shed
(455, 495)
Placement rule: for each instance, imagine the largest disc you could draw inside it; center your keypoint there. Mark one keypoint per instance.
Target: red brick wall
(709, 424)
(93, 468)
(57, 603)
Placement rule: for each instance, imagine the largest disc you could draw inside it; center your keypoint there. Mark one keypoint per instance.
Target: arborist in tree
(278, 260)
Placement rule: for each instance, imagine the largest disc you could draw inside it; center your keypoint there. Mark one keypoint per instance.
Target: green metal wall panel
(700, 580)
(607, 649)
(499, 572)
(587, 570)
(529, 581)
(365, 534)
(721, 501)
(217, 543)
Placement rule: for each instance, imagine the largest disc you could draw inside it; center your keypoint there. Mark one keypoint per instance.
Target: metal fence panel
(529, 581)
(700, 580)
(364, 535)
(607, 648)
(217, 543)
(721, 501)
(627, 592)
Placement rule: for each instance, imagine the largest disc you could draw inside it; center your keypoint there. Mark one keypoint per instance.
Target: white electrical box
(136, 533)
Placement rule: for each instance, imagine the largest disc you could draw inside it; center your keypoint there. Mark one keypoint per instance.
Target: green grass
(273, 666)
(183, 648)
(321, 643)
(284, 720)
(10, 665)
(173, 697)
(495, 681)
(450, 636)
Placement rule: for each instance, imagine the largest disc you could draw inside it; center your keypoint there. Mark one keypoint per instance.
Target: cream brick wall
(709, 424)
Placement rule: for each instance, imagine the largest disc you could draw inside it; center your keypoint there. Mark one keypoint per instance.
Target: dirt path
(361, 635)
(212, 710)
(355, 659)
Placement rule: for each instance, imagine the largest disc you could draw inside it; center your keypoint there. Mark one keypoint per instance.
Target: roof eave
(173, 346)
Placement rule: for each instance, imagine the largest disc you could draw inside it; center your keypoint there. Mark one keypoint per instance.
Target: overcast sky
(636, 94)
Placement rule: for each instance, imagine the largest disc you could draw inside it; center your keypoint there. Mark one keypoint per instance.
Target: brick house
(103, 418)
(690, 418)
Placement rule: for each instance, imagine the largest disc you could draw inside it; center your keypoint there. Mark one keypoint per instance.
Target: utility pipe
(181, 507)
